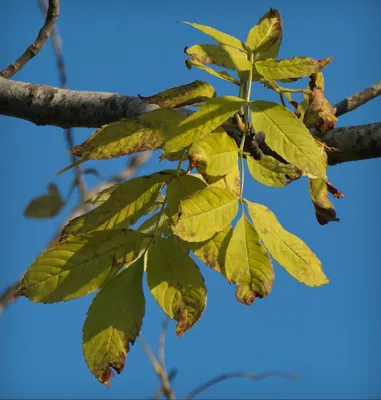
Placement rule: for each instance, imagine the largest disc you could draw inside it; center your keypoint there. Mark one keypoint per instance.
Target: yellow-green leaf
(176, 283)
(113, 322)
(99, 198)
(214, 155)
(223, 56)
(248, 264)
(324, 209)
(205, 213)
(269, 171)
(207, 118)
(127, 203)
(266, 33)
(45, 206)
(289, 137)
(157, 224)
(80, 265)
(219, 74)
(230, 181)
(294, 68)
(218, 36)
(287, 249)
(182, 96)
(128, 136)
(213, 251)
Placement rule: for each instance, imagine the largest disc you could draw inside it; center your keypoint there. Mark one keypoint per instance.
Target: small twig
(6, 297)
(358, 99)
(224, 377)
(36, 46)
(161, 348)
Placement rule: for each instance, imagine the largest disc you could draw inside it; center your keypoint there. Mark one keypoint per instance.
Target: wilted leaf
(269, 171)
(127, 203)
(224, 56)
(294, 68)
(45, 206)
(205, 213)
(128, 136)
(219, 74)
(113, 322)
(287, 249)
(207, 118)
(288, 136)
(266, 34)
(248, 264)
(214, 155)
(182, 96)
(325, 212)
(176, 283)
(80, 265)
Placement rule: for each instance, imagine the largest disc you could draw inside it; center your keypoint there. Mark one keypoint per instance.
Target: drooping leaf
(113, 322)
(213, 251)
(324, 209)
(207, 118)
(45, 206)
(219, 37)
(269, 171)
(205, 213)
(176, 283)
(287, 249)
(293, 68)
(80, 265)
(289, 137)
(266, 34)
(127, 203)
(219, 74)
(128, 136)
(223, 56)
(214, 155)
(182, 96)
(230, 181)
(248, 264)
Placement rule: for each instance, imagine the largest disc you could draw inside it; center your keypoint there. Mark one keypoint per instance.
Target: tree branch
(36, 46)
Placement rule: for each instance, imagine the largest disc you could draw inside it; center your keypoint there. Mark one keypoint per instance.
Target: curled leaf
(325, 212)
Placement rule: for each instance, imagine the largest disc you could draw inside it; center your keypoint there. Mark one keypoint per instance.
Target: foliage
(180, 212)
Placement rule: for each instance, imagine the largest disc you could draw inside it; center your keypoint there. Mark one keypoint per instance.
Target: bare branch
(224, 377)
(36, 46)
(358, 99)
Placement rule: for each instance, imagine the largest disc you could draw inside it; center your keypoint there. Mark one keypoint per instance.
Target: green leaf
(113, 322)
(289, 137)
(324, 209)
(214, 155)
(176, 283)
(80, 265)
(205, 213)
(99, 198)
(212, 252)
(287, 249)
(294, 68)
(219, 74)
(230, 181)
(128, 136)
(224, 56)
(219, 37)
(248, 264)
(207, 118)
(269, 171)
(182, 96)
(45, 206)
(157, 224)
(127, 203)
(265, 35)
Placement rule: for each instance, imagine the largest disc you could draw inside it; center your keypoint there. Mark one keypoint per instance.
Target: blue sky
(328, 335)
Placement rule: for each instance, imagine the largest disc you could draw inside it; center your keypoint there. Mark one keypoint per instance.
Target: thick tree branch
(36, 46)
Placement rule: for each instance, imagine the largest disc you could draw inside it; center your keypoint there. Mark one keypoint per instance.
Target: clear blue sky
(329, 335)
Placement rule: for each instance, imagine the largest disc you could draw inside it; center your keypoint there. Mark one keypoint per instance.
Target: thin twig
(224, 377)
(36, 46)
(161, 348)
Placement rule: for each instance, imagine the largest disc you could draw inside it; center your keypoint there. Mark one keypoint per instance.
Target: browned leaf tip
(334, 191)
(108, 373)
(248, 300)
(188, 64)
(325, 215)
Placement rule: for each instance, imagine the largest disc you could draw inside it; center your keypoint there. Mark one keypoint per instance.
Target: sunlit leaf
(80, 265)
(248, 264)
(288, 136)
(113, 322)
(287, 249)
(324, 209)
(99, 198)
(176, 283)
(157, 224)
(230, 181)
